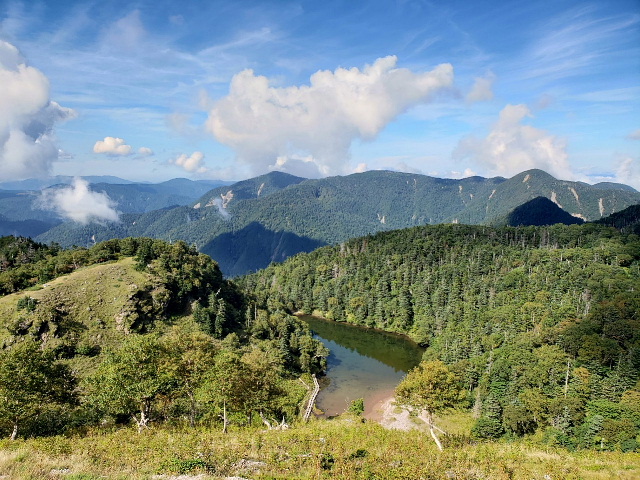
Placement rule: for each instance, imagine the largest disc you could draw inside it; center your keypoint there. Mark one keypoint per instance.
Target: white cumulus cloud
(78, 203)
(628, 172)
(191, 163)
(112, 146)
(145, 152)
(27, 118)
(311, 127)
(512, 147)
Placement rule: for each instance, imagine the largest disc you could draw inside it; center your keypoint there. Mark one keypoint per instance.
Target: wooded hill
(247, 225)
(538, 212)
(540, 324)
(139, 329)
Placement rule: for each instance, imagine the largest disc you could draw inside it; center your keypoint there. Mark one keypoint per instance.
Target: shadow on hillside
(25, 228)
(255, 247)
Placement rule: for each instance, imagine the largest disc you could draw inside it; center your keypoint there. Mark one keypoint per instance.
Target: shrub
(182, 467)
(27, 303)
(357, 407)
(487, 428)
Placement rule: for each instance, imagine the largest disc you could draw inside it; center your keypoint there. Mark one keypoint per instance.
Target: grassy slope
(92, 298)
(344, 448)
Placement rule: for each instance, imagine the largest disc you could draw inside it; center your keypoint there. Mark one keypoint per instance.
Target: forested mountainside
(627, 220)
(540, 324)
(250, 224)
(18, 216)
(139, 330)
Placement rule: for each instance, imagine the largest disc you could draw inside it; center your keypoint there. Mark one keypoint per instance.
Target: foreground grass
(343, 448)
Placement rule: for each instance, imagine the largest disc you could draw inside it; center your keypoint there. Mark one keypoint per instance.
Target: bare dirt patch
(388, 414)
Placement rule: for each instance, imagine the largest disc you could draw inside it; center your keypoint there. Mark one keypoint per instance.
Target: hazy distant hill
(613, 186)
(246, 225)
(141, 197)
(21, 215)
(17, 216)
(40, 183)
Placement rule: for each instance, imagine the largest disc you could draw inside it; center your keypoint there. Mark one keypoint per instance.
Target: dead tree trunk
(432, 430)
(265, 421)
(145, 415)
(224, 416)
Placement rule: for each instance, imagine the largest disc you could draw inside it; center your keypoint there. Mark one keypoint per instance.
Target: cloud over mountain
(27, 118)
(76, 202)
(628, 171)
(512, 147)
(267, 125)
(191, 163)
(117, 147)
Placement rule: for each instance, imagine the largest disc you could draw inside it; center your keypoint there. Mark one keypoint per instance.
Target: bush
(27, 303)
(556, 437)
(182, 467)
(630, 445)
(357, 407)
(487, 428)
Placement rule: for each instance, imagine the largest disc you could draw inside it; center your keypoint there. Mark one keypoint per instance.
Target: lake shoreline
(363, 363)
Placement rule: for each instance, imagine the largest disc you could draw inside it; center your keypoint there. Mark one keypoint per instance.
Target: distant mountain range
(247, 225)
(20, 215)
(40, 183)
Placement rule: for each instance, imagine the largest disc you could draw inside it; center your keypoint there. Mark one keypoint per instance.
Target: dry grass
(342, 448)
(91, 298)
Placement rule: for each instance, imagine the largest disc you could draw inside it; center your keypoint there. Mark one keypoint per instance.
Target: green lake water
(363, 363)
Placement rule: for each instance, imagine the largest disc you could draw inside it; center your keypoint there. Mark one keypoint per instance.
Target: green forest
(179, 346)
(532, 360)
(540, 325)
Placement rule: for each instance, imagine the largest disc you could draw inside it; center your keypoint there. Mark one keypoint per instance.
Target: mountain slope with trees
(292, 214)
(627, 220)
(540, 324)
(539, 211)
(140, 330)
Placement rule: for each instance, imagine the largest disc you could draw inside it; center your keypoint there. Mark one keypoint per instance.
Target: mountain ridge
(331, 210)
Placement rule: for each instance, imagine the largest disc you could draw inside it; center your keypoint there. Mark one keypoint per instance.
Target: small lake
(363, 363)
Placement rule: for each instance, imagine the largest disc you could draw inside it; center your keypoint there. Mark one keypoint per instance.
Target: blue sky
(153, 90)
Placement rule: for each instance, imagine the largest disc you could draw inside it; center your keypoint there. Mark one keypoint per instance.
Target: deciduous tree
(31, 381)
(429, 388)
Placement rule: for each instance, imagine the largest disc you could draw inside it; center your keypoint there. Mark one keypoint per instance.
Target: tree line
(540, 325)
